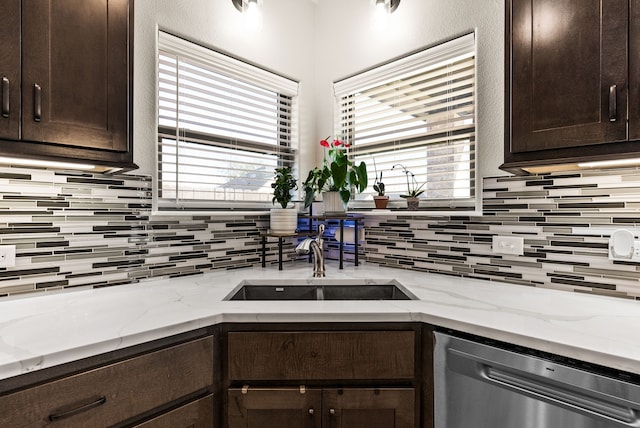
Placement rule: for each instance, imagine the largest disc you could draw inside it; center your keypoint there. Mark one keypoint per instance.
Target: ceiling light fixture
(239, 4)
(389, 5)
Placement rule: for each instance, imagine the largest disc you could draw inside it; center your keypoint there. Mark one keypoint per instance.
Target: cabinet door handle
(5, 96)
(311, 411)
(332, 417)
(98, 402)
(37, 102)
(613, 103)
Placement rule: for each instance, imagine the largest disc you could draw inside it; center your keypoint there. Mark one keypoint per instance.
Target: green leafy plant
(283, 184)
(338, 173)
(414, 189)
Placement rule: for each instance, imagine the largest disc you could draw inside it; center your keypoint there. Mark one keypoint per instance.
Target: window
(418, 111)
(223, 127)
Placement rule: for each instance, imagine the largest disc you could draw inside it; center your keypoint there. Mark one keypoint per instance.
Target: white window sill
(225, 213)
(414, 213)
(367, 213)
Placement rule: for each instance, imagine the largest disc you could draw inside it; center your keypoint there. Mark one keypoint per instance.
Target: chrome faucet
(314, 245)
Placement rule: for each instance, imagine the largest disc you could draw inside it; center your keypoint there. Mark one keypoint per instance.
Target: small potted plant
(283, 220)
(336, 179)
(414, 190)
(380, 200)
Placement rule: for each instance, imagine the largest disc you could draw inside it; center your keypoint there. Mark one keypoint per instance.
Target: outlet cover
(7, 255)
(512, 245)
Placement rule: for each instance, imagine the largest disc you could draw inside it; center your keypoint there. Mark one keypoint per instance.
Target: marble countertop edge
(92, 322)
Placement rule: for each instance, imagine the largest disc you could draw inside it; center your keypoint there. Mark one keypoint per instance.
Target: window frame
(399, 68)
(246, 72)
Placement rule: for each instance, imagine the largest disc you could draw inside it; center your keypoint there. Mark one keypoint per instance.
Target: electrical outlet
(7, 255)
(513, 245)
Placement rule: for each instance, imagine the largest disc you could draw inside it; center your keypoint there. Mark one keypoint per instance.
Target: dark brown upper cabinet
(65, 70)
(571, 81)
(10, 52)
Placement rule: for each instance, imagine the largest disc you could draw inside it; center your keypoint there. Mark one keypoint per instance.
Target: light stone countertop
(47, 330)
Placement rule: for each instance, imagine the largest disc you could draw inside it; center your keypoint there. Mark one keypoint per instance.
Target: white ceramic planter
(333, 203)
(283, 220)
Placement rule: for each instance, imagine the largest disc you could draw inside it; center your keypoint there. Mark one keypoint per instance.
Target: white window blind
(223, 127)
(418, 111)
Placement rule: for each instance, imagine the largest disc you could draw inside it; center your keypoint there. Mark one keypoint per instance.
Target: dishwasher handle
(536, 386)
(562, 396)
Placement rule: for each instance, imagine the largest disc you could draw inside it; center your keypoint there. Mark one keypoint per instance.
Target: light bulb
(253, 16)
(381, 15)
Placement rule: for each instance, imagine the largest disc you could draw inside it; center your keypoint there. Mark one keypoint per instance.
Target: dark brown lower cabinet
(326, 408)
(326, 375)
(173, 384)
(197, 414)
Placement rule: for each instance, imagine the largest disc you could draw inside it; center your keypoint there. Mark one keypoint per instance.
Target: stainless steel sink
(320, 290)
(275, 292)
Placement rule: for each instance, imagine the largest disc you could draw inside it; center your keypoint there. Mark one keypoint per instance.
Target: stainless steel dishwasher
(487, 384)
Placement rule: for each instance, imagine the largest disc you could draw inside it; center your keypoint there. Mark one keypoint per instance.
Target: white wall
(347, 44)
(217, 24)
(317, 42)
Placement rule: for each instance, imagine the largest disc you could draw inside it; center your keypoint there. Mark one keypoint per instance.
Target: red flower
(325, 143)
(337, 143)
(346, 144)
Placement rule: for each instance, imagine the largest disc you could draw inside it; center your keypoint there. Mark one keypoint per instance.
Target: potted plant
(338, 175)
(380, 200)
(283, 220)
(414, 190)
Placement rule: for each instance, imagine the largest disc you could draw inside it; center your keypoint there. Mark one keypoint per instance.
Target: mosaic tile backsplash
(565, 219)
(93, 230)
(78, 229)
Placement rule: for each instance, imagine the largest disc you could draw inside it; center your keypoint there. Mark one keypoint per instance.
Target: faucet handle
(305, 246)
(320, 232)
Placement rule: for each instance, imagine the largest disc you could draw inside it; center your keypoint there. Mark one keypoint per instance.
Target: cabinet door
(10, 69)
(634, 71)
(568, 73)
(274, 408)
(368, 408)
(75, 72)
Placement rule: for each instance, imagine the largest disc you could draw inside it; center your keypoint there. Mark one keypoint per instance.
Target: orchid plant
(378, 185)
(414, 189)
(338, 173)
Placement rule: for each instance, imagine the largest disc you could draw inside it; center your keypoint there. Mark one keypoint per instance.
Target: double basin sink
(319, 289)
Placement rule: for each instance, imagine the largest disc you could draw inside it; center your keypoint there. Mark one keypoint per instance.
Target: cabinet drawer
(110, 394)
(339, 355)
(198, 414)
